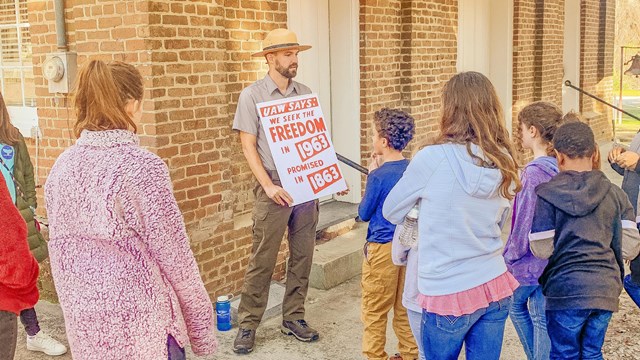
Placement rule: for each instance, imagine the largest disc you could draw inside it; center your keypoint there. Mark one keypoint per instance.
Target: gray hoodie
(459, 243)
(591, 224)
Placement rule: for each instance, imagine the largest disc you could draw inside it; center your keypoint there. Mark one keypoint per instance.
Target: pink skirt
(469, 301)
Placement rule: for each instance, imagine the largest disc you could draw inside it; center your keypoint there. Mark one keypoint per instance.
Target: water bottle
(223, 312)
(409, 234)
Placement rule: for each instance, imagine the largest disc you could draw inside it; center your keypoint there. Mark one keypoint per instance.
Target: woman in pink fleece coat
(127, 280)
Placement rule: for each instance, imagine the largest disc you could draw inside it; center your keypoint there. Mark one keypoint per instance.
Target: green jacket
(23, 172)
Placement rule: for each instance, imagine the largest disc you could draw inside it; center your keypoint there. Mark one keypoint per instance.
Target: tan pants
(270, 221)
(382, 286)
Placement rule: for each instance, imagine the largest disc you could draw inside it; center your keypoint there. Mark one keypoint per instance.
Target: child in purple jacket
(538, 123)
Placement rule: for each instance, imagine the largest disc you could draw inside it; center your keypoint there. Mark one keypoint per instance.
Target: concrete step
(274, 304)
(335, 212)
(338, 260)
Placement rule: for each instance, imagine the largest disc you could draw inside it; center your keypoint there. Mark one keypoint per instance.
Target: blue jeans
(527, 316)
(632, 289)
(480, 332)
(415, 322)
(577, 334)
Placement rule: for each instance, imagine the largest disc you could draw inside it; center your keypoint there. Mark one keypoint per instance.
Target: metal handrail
(353, 164)
(568, 83)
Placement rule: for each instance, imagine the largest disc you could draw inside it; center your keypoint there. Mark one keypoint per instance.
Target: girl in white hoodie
(464, 182)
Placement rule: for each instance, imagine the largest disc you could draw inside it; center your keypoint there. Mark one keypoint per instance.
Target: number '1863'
(324, 178)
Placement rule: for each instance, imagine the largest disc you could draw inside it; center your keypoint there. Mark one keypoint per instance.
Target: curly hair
(396, 126)
(575, 139)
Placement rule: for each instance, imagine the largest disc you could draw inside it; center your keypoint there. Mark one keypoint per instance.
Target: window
(16, 66)
(16, 78)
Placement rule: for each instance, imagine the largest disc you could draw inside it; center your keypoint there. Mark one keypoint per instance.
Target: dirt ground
(623, 336)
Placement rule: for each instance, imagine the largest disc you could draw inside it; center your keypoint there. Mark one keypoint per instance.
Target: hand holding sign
(278, 195)
(302, 150)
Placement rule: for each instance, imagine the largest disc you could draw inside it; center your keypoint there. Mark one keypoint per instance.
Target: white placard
(301, 147)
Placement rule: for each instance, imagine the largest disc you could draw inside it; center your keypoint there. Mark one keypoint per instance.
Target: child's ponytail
(545, 117)
(101, 95)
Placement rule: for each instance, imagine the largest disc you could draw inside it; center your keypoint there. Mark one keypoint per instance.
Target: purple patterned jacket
(525, 267)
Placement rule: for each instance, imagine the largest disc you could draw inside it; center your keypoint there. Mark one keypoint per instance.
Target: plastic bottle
(409, 234)
(223, 312)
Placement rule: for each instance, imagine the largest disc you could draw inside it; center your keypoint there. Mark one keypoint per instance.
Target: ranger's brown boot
(300, 330)
(243, 344)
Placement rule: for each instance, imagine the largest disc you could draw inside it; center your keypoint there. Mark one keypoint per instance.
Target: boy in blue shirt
(382, 281)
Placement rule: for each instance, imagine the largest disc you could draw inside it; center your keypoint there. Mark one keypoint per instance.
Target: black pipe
(568, 83)
(353, 164)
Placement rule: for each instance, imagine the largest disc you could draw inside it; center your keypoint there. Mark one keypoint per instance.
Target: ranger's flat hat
(279, 40)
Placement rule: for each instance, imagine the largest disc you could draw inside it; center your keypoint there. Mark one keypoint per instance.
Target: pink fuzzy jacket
(120, 256)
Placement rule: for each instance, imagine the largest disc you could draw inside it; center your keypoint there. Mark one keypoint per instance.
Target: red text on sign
(311, 147)
(324, 178)
(296, 129)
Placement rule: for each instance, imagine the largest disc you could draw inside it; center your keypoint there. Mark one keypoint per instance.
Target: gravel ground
(623, 335)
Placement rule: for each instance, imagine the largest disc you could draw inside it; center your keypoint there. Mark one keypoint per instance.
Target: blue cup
(223, 312)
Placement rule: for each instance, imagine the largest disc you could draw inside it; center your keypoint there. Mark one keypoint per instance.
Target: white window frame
(24, 117)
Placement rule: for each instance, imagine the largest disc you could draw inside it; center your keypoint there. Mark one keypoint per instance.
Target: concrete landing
(338, 260)
(335, 212)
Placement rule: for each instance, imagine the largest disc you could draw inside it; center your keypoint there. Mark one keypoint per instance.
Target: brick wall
(538, 57)
(538, 36)
(195, 59)
(110, 30)
(407, 52)
(429, 59)
(381, 56)
(597, 39)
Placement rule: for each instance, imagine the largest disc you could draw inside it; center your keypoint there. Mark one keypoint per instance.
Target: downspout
(61, 30)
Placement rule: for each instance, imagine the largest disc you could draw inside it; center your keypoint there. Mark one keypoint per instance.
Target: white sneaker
(46, 344)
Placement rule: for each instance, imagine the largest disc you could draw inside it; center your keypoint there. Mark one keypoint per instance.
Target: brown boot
(300, 330)
(243, 344)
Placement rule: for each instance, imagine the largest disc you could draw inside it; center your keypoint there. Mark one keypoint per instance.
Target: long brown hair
(471, 113)
(9, 134)
(545, 117)
(101, 95)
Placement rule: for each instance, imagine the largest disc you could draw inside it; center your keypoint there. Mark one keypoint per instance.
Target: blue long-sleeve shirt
(379, 184)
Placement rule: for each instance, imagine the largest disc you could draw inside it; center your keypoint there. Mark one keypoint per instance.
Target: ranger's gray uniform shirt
(247, 118)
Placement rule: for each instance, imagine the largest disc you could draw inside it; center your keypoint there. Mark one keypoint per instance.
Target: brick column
(538, 37)
(596, 73)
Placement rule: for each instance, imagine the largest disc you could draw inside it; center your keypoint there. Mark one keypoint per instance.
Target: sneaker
(300, 330)
(243, 344)
(44, 343)
(395, 357)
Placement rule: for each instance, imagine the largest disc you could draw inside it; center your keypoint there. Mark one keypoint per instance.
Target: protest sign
(301, 147)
